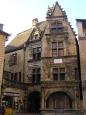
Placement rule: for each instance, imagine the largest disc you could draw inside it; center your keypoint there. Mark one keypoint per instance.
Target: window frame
(37, 53)
(58, 74)
(58, 48)
(36, 75)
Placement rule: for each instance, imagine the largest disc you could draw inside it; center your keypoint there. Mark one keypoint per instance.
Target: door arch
(59, 100)
(34, 102)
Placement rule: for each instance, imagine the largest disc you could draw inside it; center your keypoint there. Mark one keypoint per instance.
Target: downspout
(79, 68)
(79, 71)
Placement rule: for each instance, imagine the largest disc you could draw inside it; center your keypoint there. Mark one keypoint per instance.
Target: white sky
(17, 15)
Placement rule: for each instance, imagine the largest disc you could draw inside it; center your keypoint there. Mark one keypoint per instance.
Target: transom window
(37, 53)
(58, 73)
(57, 48)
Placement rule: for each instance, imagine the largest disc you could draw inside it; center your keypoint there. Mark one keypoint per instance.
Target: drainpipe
(80, 80)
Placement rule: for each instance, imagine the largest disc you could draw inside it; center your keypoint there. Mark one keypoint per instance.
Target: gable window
(56, 27)
(37, 53)
(57, 48)
(58, 73)
(36, 75)
(35, 36)
(60, 48)
(54, 49)
(13, 59)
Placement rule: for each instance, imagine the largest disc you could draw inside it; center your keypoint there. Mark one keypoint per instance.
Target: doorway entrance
(34, 102)
(7, 100)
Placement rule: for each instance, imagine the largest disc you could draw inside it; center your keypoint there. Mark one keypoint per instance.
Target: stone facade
(46, 57)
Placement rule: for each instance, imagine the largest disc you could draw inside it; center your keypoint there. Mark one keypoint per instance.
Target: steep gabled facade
(47, 60)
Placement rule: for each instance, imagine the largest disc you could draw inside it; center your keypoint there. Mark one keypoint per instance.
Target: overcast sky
(17, 15)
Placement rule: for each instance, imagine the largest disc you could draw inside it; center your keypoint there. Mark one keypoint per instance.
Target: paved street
(26, 114)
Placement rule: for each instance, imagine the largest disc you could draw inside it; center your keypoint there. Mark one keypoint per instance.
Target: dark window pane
(34, 56)
(60, 29)
(38, 56)
(20, 76)
(39, 49)
(55, 70)
(34, 50)
(12, 76)
(15, 76)
(62, 76)
(54, 45)
(54, 52)
(37, 53)
(60, 44)
(55, 76)
(53, 30)
(33, 78)
(61, 52)
(36, 75)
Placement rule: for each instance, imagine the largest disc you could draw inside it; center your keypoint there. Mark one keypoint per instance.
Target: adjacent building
(41, 70)
(3, 38)
(81, 27)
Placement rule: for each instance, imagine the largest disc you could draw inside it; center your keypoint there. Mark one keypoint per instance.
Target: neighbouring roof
(4, 33)
(22, 38)
(83, 21)
(80, 20)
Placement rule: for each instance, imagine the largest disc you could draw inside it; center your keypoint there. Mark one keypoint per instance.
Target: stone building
(3, 38)
(41, 66)
(81, 27)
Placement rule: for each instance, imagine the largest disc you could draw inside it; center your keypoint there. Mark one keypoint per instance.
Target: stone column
(42, 99)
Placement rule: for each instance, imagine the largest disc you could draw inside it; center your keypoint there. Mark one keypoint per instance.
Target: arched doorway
(59, 100)
(34, 102)
(7, 100)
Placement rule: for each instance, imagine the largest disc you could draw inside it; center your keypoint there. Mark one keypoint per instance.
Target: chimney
(34, 22)
(1, 26)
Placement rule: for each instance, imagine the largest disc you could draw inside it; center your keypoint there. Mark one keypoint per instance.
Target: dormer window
(35, 37)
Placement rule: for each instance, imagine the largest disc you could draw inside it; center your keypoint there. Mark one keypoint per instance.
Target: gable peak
(56, 10)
